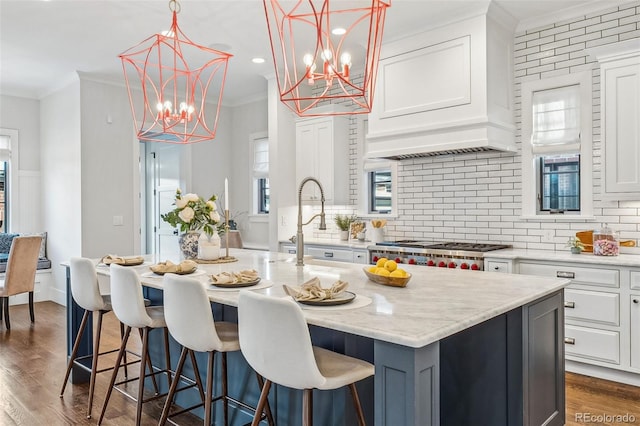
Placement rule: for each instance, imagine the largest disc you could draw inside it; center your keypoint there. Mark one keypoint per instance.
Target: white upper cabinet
(445, 90)
(620, 109)
(322, 152)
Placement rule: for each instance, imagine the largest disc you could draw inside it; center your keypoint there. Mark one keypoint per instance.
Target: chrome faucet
(323, 224)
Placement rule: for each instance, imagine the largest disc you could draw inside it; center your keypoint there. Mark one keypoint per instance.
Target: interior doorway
(164, 172)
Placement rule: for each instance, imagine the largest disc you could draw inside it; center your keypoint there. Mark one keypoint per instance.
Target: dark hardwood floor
(33, 361)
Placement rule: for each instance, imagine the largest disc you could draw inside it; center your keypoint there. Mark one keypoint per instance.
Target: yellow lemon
(380, 263)
(383, 272)
(390, 265)
(373, 269)
(398, 273)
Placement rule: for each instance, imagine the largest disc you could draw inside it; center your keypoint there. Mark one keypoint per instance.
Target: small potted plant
(343, 222)
(575, 244)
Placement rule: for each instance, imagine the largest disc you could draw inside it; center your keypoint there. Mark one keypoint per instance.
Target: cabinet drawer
(635, 280)
(591, 343)
(497, 266)
(331, 254)
(360, 256)
(592, 306)
(579, 275)
(291, 249)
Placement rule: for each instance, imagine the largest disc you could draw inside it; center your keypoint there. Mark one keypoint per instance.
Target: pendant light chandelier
(326, 52)
(176, 76)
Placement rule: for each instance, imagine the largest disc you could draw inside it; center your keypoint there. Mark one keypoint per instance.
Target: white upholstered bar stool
(191, 323)
(86, 293)
(275, 340)
(129, 306)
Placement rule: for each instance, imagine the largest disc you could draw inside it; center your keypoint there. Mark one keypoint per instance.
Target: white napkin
(312, 290)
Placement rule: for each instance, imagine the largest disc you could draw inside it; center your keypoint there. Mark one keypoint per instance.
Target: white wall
(61, 180)
(23, 116)
(109, 158)
(210, 162)
(247, 119)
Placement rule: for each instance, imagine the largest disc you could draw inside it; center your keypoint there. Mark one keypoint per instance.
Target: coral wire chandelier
(343, 40)
(176, 76)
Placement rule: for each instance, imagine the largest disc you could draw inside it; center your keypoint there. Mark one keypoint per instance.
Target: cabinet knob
(569, 340)
(496, 268)
(569, 304)
(636, 301)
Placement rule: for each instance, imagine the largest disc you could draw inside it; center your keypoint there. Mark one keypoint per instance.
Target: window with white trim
(261, 175)
(5, 157)
(556, 146)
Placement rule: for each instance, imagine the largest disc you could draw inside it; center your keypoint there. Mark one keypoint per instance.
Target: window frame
(12, 181)
(263, 193)
(257, 198)
(531, 208)
(367, 165)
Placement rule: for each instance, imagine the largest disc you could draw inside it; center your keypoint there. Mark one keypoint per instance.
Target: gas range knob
(412, 261)
(474, 267)
(398, 260)
(431, 263)
(375, 258)
(464, 266)
(452, 265)
(442, 264)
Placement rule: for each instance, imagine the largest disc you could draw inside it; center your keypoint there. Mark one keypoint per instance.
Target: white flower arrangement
(193, 213)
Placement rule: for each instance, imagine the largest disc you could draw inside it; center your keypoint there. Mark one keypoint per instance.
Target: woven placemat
(225, 259)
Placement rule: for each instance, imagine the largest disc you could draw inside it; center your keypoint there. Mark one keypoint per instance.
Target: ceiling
(43, 43)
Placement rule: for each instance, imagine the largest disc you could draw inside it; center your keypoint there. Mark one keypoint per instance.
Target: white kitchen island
(453, 347)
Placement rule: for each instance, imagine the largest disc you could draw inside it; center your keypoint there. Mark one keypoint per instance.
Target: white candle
(226, 194)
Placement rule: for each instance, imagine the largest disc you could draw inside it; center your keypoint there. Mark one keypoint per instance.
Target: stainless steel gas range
(443, 255)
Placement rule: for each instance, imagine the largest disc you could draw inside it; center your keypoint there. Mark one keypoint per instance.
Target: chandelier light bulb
(308, 59)
(327, 55)
(167, 105)
(345, 59)
(159, 106)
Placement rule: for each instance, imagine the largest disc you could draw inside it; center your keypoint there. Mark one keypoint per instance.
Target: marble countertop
(436, 303)
(632, 260)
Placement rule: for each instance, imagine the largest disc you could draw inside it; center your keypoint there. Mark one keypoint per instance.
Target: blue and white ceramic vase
(189, 244)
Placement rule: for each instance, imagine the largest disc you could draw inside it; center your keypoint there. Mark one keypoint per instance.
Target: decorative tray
(341, 299)
(390, 281)
(235, 285)
(175, 272)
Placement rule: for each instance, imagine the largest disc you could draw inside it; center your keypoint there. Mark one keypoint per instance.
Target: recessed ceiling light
(258, 60)
(338, 31)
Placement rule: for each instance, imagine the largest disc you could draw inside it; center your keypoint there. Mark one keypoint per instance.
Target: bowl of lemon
(386, 272)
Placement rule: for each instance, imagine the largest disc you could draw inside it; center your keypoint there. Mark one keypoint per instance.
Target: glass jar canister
(605, 242)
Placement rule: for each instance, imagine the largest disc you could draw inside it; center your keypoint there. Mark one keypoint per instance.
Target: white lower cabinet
(602, 316)
(592, 344)
(592, 306)
(634, 307)
(361, 256)
(328, 252)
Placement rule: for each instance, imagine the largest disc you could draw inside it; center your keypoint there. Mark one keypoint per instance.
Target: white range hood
(446, 91)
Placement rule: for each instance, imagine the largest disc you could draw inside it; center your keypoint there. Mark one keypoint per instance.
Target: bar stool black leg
(174, 386)
(74, 351)
(31, 311)
(123, 349)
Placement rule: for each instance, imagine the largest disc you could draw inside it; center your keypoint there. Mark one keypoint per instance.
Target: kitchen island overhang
(441, 316)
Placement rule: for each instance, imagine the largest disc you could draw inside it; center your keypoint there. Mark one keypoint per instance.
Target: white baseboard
(603, 373)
